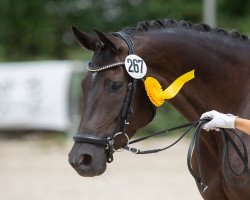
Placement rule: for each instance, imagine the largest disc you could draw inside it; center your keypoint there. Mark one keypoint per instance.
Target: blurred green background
(41, 30)
(34, 30)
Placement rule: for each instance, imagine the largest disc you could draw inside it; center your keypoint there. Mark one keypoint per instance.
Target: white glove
(219, 120)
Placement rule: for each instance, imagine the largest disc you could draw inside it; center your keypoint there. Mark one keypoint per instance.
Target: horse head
(104, 94)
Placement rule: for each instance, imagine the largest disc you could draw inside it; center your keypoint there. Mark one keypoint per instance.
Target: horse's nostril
(85, 159)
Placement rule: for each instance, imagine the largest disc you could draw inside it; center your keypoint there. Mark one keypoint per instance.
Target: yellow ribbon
(155, 93)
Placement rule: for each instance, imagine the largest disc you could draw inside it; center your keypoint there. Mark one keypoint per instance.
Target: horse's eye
(115, 86)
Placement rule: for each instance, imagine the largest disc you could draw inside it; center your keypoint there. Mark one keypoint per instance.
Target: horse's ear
(106, 40)
(86, 40)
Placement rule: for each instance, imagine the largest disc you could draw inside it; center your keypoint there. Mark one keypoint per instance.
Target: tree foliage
(41, 29)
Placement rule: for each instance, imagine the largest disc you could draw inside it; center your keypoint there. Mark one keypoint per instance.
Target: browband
(98, 69)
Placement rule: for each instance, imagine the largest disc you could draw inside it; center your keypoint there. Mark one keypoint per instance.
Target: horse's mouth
(88, 160)
(89, 172)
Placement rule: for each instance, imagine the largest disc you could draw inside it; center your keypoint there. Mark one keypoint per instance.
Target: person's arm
(243, 125)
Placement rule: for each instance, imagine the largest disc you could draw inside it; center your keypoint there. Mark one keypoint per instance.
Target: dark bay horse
(221, 61)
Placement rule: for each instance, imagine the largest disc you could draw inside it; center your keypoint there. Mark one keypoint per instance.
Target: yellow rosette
(155, 93)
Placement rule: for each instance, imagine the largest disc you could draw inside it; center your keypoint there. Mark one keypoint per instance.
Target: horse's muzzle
(88, 159)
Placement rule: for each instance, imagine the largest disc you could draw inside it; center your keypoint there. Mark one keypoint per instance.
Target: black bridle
(123, 121)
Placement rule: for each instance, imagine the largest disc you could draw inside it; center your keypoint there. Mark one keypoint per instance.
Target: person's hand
(219, 120)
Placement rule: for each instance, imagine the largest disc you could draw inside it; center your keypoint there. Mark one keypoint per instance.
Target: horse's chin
(88, 160)
(91, 173)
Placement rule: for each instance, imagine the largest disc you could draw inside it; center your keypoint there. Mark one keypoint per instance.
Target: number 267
(136, 66)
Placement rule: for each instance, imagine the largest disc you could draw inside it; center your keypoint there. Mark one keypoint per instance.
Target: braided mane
(145, 26)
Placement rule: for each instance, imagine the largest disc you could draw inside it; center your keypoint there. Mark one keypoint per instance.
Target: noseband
(125, 113)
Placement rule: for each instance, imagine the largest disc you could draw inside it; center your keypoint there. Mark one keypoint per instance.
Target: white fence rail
(35, 95)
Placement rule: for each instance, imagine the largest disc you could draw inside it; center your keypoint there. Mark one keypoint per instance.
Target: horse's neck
(221, 70)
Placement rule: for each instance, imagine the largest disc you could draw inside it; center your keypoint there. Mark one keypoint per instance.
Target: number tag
(135, 66)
